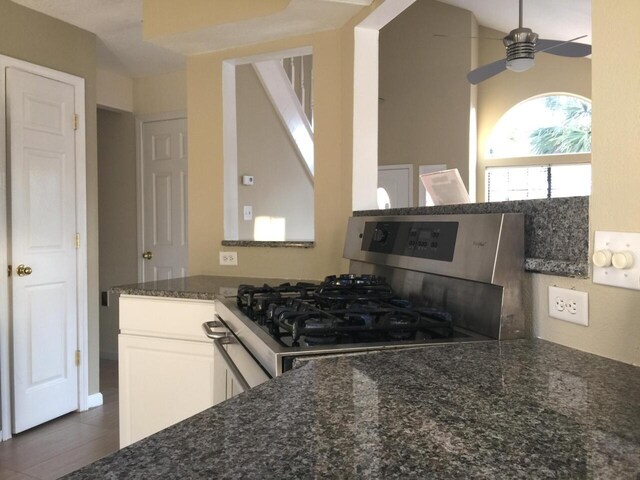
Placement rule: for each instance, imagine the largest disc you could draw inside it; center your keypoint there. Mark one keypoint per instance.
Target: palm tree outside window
(553, 132)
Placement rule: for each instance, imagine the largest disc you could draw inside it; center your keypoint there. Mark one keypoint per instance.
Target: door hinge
(77, 241)
(76, 121)
(8, 270)
(77, 357)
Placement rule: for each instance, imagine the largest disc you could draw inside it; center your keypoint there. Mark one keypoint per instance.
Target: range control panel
(431, 240)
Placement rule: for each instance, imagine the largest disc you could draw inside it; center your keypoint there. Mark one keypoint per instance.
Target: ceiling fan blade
(564, 49)
(486, 71)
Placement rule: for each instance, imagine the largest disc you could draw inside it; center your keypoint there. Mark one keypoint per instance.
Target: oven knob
(380, 235)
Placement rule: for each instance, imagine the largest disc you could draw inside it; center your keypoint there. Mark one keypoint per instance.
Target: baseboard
(94, 400)
(108, 355)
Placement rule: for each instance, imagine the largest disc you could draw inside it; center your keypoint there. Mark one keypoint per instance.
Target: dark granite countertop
(516, 409)
(199, 287)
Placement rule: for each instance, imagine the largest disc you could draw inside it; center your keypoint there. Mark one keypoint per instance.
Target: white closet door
(43, 232)
(164, 199)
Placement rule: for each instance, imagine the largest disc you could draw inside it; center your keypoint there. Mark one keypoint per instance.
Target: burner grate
(343, 309)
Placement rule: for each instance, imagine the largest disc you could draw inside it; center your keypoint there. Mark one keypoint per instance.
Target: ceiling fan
(521, 45)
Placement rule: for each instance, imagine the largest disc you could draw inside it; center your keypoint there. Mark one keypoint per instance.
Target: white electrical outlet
(229, 258)
(569, 305)
(248, 212)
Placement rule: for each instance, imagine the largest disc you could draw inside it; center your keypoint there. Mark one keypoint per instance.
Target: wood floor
(67, 443)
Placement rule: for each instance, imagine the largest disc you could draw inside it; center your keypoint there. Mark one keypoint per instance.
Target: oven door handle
(208, 330)
(218, 344)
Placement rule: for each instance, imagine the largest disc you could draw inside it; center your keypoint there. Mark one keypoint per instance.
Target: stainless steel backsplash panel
(481, 287)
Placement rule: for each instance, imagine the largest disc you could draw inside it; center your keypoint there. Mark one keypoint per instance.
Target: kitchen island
(514, 409)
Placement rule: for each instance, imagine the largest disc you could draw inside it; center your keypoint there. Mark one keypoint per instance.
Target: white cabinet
(166, 363)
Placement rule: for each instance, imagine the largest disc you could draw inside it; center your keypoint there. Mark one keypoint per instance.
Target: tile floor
(66, 443)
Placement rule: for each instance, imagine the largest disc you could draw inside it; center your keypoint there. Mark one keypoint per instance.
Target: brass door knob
(23, 270)
(147, 255)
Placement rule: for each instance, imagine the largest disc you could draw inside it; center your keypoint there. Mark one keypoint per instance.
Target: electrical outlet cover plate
(229, 258)
(617, 242)
(569, 305)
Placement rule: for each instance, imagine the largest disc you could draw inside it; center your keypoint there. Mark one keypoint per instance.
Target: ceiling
(118, 26)
(551, 19)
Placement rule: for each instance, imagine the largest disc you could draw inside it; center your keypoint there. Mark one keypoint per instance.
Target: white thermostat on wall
(247, 179)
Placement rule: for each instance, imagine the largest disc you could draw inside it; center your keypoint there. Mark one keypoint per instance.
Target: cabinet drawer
(165, 317)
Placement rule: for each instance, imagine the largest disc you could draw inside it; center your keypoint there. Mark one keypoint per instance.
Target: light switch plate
(569, 305)
(617, 242)
(248, 212)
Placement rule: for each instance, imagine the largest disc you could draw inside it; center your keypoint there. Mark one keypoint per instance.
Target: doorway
(43, 319)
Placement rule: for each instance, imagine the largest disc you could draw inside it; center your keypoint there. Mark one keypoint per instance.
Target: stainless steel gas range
(413, 281)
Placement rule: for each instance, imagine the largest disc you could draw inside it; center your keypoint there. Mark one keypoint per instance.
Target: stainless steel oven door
(234, 369)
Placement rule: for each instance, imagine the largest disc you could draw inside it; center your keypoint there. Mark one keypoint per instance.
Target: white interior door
(164, 199)
(43, 241)
(397, 180)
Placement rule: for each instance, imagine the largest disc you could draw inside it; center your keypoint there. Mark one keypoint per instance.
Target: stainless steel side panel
(263, 348)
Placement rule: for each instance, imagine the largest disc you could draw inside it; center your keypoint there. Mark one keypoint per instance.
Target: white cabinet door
(162, 381)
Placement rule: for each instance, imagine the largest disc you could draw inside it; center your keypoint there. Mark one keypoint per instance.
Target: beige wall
(36, 38)
(283, 187)
(206, 167)
(426, 98)
(160, 93)
(114, 91)
(551, 74)
(118, 216)
(614, 329)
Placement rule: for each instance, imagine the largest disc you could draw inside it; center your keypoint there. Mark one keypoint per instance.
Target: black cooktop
(343, 309)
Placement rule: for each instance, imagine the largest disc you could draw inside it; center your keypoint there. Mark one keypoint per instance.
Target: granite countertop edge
(561, 268)
(264, 244)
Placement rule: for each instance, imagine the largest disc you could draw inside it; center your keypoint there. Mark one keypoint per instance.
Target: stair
(288, 83)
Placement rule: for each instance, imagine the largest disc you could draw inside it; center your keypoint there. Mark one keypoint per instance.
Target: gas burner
(399, 321)
(348, 289)
(256, 301)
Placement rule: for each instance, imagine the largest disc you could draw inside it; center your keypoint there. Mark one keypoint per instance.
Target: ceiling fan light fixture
(520, 64)
(521, 49)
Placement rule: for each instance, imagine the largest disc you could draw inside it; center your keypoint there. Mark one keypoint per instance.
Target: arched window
(538, 140)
